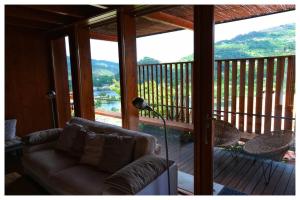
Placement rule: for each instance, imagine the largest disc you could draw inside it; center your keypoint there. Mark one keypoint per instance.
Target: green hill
(274, 41)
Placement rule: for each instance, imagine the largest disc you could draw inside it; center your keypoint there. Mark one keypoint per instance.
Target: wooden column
(60, 75)
(202, 98)
(128, 67)
(81, 69)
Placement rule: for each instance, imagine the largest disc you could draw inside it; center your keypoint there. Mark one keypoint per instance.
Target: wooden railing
(254, 94)
(167, 88)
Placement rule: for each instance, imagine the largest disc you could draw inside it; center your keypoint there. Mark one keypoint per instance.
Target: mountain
(275, 41)
(101, 67)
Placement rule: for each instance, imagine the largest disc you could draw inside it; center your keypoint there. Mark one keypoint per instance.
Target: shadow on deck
(241, 174)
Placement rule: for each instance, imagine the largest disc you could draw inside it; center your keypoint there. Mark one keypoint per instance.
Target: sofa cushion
(43, 136)
(117, 152)
(48, 161)
(93, 149)
(137, 175)
(10, 129)
(80, 180)
(145, 143)
(71, 140)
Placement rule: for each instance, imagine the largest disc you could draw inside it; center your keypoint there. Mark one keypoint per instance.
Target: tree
(116, 87)
(148, 60)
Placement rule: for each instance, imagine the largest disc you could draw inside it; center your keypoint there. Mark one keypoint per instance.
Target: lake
(108, 105)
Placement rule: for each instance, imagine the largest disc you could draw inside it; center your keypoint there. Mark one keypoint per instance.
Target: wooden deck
(240, 173)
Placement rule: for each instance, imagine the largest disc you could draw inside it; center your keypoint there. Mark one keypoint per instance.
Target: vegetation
(270, 42)
(148, 60)
(274, 41)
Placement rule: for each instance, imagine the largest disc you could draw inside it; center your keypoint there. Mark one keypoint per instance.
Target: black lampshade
(141, 104)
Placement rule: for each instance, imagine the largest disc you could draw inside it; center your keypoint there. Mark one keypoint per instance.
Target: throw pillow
(93, 149)
(71, 140)
(117, 152)
(10, 129)
(137, 175)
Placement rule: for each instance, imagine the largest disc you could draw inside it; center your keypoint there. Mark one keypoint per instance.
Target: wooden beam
(78, 11)
(98, 20)
(99, 36)
(28, 23)
(82, 83)
(61, 85)
(168, 19)
(202, 98)
(36, 15)
(128, 69)
(141, 10)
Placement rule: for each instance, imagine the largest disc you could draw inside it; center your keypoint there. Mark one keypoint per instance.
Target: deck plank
(283, 182)
(274, 181)
(290, 189)
(240, 174)
(252, 174)
(232, 174)
(233, 166)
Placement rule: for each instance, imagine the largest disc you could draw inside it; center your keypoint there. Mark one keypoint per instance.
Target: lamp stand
(166, 145)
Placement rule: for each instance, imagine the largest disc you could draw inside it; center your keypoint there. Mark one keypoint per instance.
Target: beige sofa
(60, 173)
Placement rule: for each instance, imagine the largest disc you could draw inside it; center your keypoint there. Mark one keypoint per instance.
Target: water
(107, 105)
(101, 92)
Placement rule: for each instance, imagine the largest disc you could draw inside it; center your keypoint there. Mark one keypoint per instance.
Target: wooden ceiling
(181, 17)
(149, 19)
(50, 17)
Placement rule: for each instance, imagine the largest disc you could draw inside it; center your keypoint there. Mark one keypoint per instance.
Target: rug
(229, 191)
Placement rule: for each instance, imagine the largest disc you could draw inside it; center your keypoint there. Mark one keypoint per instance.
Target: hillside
(274, 41)
(103, 67)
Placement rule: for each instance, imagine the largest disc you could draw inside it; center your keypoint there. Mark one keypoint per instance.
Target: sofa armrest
(41, 137)
(135, 176)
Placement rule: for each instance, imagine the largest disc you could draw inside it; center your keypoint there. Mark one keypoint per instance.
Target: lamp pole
(51, 95)
(140, 104)
(166, 145)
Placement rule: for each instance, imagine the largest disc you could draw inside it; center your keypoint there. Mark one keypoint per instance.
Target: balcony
(255, 95)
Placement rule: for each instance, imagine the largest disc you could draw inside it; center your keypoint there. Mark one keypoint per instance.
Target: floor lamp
(141, 104)
(51, 95)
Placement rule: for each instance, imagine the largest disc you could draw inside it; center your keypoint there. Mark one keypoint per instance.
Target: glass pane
(69, 76)
(106, 81)
(164, 81)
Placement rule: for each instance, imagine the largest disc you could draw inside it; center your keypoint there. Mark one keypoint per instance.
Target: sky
(170, 47)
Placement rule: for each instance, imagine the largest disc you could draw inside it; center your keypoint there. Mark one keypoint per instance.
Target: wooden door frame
(203, 98)
(128, 66)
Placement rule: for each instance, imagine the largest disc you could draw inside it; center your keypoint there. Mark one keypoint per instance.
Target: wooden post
(81, 69)
(202, 98)
(128, 67)
(61, 85)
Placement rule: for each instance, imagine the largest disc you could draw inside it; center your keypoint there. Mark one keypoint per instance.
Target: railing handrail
(257, 115)
(216, 60)
(251, 58)
(167, 63)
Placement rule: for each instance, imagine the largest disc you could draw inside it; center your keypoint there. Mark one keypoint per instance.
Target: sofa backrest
(145, 143)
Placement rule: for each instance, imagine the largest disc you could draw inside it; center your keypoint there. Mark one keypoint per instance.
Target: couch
(61, 173)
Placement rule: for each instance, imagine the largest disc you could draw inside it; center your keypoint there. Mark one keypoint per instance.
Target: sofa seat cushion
(45, 162)
(79, 180)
